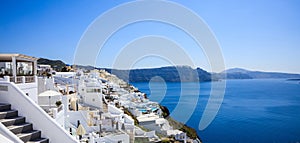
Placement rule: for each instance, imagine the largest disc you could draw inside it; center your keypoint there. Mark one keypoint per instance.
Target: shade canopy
(49, 98)
(50, 93)
(80, 130)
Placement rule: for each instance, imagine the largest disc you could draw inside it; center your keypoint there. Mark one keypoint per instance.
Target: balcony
(20, 79)
(18, 68)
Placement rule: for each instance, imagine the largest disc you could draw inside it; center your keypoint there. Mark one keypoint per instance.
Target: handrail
(31, 110)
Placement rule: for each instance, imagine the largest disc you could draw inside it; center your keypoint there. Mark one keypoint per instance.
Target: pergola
(16, 71)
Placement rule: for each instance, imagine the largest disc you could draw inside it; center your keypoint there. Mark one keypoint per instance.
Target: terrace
(18, 68)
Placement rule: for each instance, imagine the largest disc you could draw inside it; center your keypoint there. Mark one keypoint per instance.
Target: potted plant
(58, 103)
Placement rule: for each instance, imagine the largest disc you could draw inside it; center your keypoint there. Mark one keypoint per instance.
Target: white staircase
(18, 125)
(22, 120)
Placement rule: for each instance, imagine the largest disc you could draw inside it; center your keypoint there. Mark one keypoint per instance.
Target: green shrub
(58, 103)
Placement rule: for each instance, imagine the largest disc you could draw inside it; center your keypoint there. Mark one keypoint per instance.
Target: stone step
(4, 107)
(12, 121)
(39, 140)
(8, 114)
(19, 128)
(29, 135)
(17, 125)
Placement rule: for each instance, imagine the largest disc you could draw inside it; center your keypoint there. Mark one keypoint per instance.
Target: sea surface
(253, 111)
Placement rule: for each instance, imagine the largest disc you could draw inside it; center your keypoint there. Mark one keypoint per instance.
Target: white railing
(29, 79)
(26, 107)
(20, 79)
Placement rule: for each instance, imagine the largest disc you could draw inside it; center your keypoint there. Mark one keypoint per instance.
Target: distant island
(177, 73)
(238, 73)
(294, 79)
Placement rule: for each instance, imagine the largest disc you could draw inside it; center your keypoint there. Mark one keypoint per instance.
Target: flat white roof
(18, 56)
(147, 117)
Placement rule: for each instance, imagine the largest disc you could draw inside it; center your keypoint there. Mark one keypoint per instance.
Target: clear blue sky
(253, 34)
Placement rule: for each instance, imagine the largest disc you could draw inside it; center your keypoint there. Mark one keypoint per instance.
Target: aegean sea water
(253, 111)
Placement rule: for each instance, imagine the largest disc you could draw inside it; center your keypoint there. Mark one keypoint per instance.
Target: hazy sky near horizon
(253, 34)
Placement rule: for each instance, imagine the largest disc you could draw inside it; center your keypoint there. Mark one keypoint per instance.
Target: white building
(18, 95)
(90, 90)
(45, 70)
(21, 70)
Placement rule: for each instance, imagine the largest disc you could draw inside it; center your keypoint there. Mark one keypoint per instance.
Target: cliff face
(176, 73)
(55, 64)
(169, 74)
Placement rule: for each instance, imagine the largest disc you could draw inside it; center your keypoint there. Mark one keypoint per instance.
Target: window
(89, 90)
(93, 90)
(5, 68)
(24, 68)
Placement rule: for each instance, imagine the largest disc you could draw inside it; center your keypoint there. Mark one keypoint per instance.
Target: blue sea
(253, 111)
